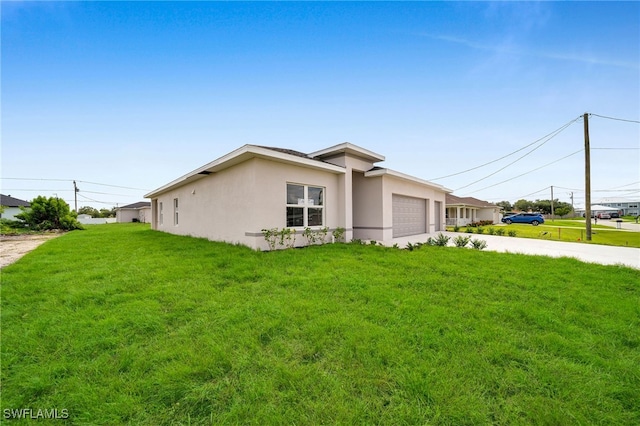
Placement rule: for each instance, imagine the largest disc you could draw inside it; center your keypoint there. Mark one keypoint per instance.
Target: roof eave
(389, 172)
(240, 155)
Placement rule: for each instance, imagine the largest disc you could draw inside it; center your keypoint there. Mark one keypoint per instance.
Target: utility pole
(551, 202)
(75, 194)
(572, 210)
(587, 176)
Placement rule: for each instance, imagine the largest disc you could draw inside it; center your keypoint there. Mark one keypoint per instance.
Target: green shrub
(338, 234)
(469, 229)
(512, 232)
(442, 240)
(478, 244)
(49, 213)
(456, 228)
(461, 241)
(479, 230)
(491, 231)
(500, 231)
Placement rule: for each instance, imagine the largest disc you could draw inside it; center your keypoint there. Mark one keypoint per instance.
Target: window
(160, 218)
(305, 205)
(175, 211)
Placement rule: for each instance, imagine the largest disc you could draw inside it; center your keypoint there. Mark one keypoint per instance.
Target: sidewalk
(592, 253)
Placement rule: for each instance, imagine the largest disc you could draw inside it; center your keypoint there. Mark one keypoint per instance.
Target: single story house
(253, 188)
(462, 211)
(12, 206)
(136, 212)
(625, 206)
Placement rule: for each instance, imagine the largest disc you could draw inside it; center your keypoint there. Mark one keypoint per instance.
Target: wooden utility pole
(75, 194)
(587, 176)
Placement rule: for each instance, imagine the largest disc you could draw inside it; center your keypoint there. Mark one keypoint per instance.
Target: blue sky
(136, 94)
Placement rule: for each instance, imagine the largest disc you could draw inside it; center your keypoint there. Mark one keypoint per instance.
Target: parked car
(615, 215)
(604, 216)
(533, 218)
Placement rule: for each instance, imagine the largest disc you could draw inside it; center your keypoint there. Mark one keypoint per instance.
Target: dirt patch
(13, 247)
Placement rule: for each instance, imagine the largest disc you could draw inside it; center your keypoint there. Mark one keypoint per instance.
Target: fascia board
(240, 155)
(393, 173)
(349, 148)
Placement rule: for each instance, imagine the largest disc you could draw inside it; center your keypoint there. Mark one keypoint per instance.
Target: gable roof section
(246, 153)
(348, 148)
(380, 171)
(9, 201)
(138, 205)
(452, 200)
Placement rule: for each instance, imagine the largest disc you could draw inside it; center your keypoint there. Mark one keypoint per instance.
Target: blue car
(533, 218)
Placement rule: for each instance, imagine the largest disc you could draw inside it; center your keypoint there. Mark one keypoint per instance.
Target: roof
(348, 148)
(467, 201)
(9, 201)
(245, 153)
(138, 205)
(379, 171)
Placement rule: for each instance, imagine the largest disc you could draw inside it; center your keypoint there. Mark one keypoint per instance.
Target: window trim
(160, 214)
(305, 206)
(175, 211)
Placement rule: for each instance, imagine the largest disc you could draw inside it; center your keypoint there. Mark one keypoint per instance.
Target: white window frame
(160, 214)
(175, 211)
(305, 203)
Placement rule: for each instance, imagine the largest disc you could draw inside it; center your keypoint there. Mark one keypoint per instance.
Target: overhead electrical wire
(554, 133)
(614, 118)
(526, 173)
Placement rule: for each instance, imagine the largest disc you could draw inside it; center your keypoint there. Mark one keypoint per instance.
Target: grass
(569, 231)
(119, 324)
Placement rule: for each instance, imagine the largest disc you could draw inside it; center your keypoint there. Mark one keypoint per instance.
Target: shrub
(287, 237)
(512, 232)
(338, 234)
(442, 240)
(479, 230)
(49, 213)
(500, 231)
(491, 231)
(456, 228)
(271, 237)
(478, 244)
(461, 241)
(469, 229)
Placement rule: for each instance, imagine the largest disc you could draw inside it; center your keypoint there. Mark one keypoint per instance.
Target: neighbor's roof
(138, 205)
(467, 201)
(9, 201)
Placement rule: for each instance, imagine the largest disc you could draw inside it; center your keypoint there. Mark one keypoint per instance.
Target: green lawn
(569, 231)
(120, 324)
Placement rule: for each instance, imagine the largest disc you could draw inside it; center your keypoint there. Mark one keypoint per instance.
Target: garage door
(409, 215)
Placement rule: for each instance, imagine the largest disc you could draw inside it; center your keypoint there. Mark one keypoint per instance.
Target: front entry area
(409, 215)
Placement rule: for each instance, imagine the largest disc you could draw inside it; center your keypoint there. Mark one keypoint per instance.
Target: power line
(558, 130)
(526, 173)
(614, 118)
(82, 181)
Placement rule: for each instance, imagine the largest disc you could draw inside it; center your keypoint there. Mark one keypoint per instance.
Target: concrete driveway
(592, 253)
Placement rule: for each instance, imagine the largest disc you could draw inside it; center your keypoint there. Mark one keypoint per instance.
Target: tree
(89, 210)
(107, 213)
(563, 210)
(506, 206)
(523, 205)
(49, 213)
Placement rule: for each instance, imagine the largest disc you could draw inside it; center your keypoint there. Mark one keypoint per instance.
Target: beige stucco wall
(367, 207)
(126, 215)
(235, 204)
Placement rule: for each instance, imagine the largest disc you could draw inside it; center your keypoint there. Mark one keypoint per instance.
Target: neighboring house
(12, 206)
(462, 211)
(626, 206)
(136, 212)
(253, 188)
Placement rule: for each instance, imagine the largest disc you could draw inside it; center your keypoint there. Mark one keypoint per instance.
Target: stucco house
(12, 206)
(136, 212)
(462, 211)
(255, 187)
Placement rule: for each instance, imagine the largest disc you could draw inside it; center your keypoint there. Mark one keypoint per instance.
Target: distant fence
(96, 220)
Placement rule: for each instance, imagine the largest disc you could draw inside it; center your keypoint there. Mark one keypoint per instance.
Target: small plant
(338, 234)
(478, 244)
(315, 236)
(287, 237)
(461, 241)
(373, 242)
(271, 237)
(357, 241)
(512, 232)
(456, 228)
(442, 240)
(479, 230)
(500, 231)
(410, 247)
(469, 229)
(491, 231)
(396, 246)
(430, 242)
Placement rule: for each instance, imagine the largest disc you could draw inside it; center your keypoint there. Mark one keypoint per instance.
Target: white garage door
(409, 215)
